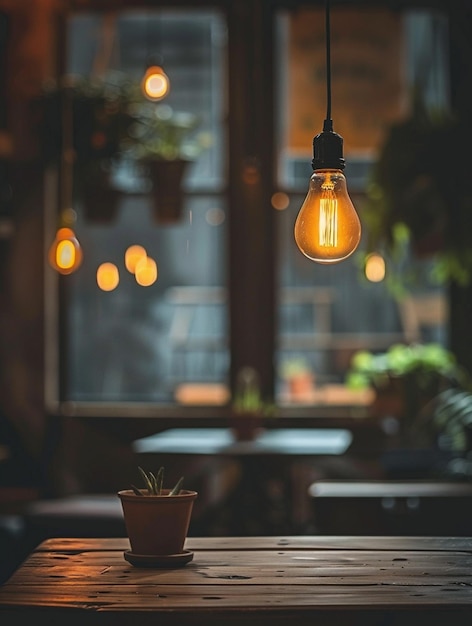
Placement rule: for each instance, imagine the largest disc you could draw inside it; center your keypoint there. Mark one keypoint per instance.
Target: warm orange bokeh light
(108, 276)
(132, 255)
(155, 84)
(280, 201)
(375, 267)
(65, 253)
(146, 272)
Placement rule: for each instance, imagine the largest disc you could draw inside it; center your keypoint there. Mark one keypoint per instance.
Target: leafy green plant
(159, 132)
(154, 483)
(451, 419)
(247, 399)
(411, 207)
(425, 362)
(99, 117)
(445, 424)
(296, 366)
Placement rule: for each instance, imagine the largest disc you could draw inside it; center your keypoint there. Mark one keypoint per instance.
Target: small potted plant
(164, 142)
(157, 521)
(248, 409)
(298, 378)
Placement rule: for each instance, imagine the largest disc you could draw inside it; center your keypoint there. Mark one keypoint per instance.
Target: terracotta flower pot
(157, 525)
(167, 193)
(246, 426)
(100, 200)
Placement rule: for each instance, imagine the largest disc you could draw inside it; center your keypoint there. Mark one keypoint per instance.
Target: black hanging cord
(67, 122)
(154, 57)
(328, 145)
(328, 62)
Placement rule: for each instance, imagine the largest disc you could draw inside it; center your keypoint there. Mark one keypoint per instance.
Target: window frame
(251, 134)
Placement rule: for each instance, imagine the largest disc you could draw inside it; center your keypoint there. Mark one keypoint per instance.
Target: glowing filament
(328, 222)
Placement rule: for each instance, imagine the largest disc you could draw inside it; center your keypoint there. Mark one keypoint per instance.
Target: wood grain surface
(248, 580)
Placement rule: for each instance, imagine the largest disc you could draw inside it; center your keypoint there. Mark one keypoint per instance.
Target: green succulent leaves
(154, 483)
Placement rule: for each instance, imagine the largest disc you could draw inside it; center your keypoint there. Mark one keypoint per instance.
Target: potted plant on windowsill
(157, 521)
(298, 377)
(164, 143)
(248, 409)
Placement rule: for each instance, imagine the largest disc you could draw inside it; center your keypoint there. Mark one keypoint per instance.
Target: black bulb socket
(328, 149)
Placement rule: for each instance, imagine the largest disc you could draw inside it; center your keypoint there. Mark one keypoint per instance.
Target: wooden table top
(248, 580)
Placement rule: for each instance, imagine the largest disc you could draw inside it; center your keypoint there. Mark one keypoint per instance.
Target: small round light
(215, 216)
(375, 267)
(108, 276)
(155, 84)
(146, 272)
(132, 255)
(280, 201)
(65, 253)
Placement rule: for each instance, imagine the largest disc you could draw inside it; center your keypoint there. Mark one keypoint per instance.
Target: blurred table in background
(264, 496)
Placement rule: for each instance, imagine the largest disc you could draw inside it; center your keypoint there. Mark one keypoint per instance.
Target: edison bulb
(327, 228)
(65, 253)
(155, 83)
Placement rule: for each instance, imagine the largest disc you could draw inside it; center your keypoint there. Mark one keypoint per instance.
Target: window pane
(138, 343)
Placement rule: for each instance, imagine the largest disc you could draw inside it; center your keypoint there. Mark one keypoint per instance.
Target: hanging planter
(167, 192)
(92, 116)
(418, 199)
(164, 143)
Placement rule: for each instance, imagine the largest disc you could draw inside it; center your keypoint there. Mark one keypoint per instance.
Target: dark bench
(407, 507)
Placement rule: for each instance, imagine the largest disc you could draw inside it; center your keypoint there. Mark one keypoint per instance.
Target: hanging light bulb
(155, 84)
(327, 228)
(65, 253)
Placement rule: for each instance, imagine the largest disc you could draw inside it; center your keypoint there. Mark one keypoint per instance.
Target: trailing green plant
(418, 204)
(154, 484)
(112, 119)
(100, 118)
